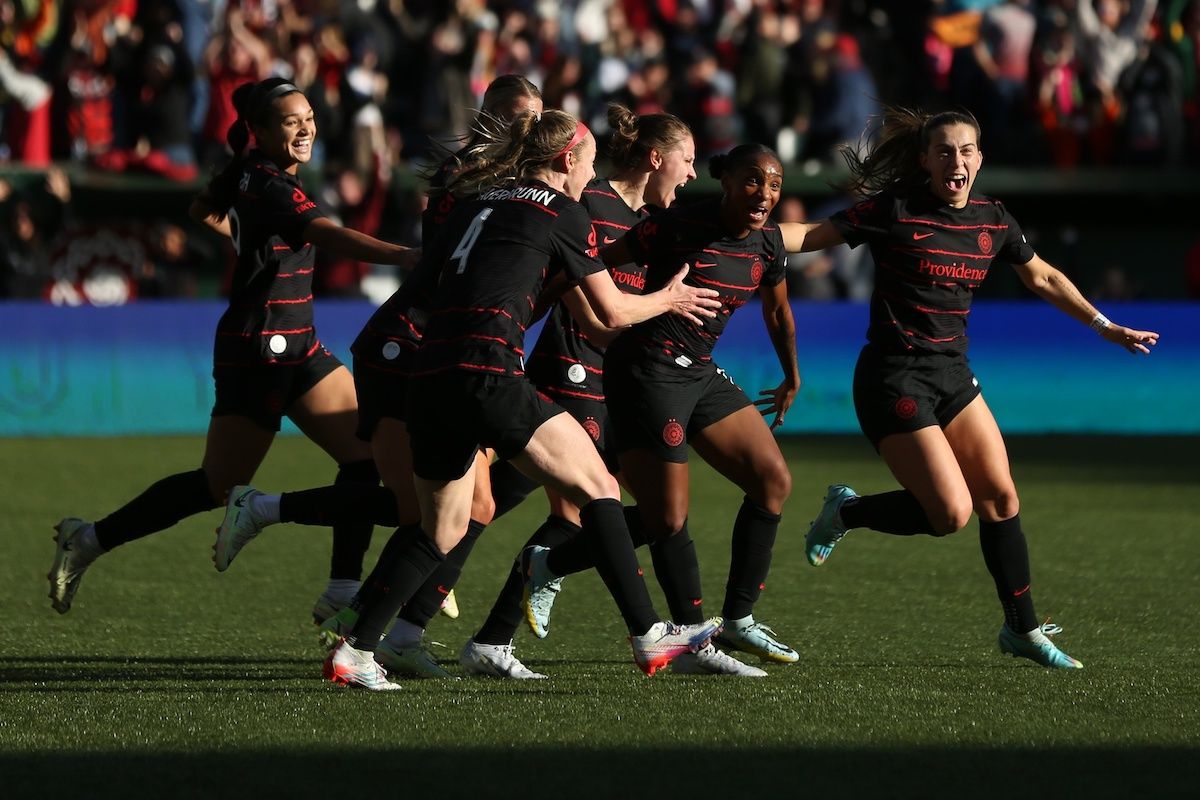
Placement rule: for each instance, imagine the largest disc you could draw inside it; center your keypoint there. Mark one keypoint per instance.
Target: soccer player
(469, 389)
(652, 156)
(664, 393)
(917, 400)
(384, 355)
(267, 359)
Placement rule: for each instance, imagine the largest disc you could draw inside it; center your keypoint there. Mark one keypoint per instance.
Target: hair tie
(581, 132)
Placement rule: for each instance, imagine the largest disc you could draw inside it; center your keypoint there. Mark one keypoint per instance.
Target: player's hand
(777, 401)
(691, 302)
(1133, 341)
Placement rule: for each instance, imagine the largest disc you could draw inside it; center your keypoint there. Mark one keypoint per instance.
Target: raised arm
(616, 309)
(804, 237)
(327, 234)
(596, 331)
(1050, 284)
(777, 314)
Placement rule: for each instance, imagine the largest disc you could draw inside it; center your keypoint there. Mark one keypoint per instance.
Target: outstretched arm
(616, 309)
(1048, 283)
(804, 237)
(327, 234)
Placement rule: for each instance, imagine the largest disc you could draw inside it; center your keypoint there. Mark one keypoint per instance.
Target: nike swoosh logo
(442, 589)
(922, 235)
(609, 240)
(698, 601)
(704, 265)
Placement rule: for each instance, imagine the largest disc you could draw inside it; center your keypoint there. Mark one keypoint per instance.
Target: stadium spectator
(916, 397)
(268, 361)
(31, 221)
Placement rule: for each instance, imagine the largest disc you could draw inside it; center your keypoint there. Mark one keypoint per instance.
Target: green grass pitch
(168, 678)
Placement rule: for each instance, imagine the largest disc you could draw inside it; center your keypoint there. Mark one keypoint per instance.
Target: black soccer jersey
(269, 319)
(497, 252)
(564, 362)
(736, 268)
(929, 259)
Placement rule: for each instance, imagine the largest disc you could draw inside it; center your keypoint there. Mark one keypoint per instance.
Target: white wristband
(1100, 323)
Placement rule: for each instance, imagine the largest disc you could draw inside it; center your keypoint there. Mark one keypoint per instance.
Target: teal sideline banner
(146, 368)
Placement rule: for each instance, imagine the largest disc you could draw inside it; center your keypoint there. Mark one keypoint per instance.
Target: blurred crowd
(143, 86)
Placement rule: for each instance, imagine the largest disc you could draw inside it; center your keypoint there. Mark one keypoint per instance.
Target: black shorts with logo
(452, 414)
(381, 393)
(904, 393)
(593, 416)
(657, 406)
(265, 392)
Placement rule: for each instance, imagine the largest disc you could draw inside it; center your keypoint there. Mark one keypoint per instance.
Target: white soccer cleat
(757, 639)
(414, 660)
(541, 589)
(69, 563)
(495, 661)
(711, 661)
(665, 641)
(239, 526)
(348, 666)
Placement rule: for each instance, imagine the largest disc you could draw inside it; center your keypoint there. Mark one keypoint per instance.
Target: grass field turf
(168, 678)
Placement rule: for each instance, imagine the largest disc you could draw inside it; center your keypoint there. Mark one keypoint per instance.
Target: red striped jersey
(496, 254)
(929, 259)
(438, 209)
(564, 361)
(736, 268)
(269, 319)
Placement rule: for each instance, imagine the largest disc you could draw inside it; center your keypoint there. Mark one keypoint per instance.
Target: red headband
(581, 132)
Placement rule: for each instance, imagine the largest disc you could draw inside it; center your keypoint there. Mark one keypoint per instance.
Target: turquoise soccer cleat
(1041, 651)
(827, 529)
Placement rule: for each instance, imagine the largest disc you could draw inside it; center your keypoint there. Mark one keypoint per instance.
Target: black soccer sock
(352, 539)
(896, 512)
(415, 559)
(1007, 557)
(159, 507)
(607, 535)
(510, 487)
(342, 503)
(428, 599)
(506, 614)
(753, 542)
(577, 556)
(678, 574)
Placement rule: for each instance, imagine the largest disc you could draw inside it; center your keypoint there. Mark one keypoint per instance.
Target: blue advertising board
(146, 368)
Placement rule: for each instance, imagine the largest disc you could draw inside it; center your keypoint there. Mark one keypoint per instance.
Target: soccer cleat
(69, 563)
(414, 660)
(237, 528)
(449, 606)
(495, 661)
(350, 667)
(337, 626)
(757, 639)
(1041, 651)
(658, 646)
(827, 529)
(711, 661)
(541, 589)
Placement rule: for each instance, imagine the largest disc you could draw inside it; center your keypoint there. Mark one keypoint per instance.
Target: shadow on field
(581, 772)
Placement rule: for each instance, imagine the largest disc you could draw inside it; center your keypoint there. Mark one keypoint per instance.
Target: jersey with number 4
(496, 255)
(269, 319)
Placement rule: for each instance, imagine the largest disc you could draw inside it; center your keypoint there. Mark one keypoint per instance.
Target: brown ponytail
(633, 137)
(528, 146)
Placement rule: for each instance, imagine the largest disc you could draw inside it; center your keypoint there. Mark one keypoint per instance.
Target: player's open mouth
(302, 145)
(956, 182)
(758, 214)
